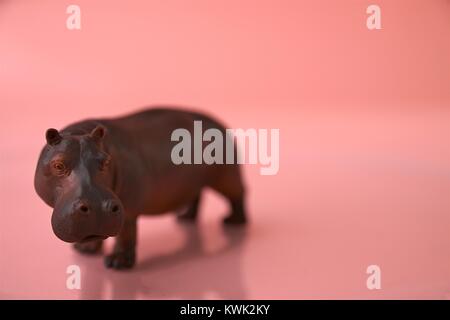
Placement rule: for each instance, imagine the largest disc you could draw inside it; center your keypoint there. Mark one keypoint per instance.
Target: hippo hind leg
(230, 185)
(91, 247)
(191, 213)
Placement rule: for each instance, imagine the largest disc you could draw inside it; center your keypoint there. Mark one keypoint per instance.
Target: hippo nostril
(81, 207)
(111, 206)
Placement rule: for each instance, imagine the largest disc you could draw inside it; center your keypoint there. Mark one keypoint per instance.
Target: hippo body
(99, 175)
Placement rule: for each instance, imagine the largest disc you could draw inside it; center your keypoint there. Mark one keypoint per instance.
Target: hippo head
(75, 176)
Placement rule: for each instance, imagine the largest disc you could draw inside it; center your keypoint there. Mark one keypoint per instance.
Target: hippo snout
(82, 220)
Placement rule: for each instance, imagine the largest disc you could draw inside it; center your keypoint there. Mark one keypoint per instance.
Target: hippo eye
(59, 168)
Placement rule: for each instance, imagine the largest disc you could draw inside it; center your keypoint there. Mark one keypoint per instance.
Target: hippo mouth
(93, 237)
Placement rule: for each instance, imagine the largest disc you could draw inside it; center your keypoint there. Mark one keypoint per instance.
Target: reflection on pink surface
(193, 271)
(364, 143)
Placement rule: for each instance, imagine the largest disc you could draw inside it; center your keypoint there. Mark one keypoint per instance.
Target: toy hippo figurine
(100, 175)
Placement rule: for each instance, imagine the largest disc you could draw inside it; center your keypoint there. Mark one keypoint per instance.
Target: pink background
(364, 119)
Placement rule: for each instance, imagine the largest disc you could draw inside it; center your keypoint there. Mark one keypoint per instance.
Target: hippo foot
(120, 260)
(91, 247)
(235, 219)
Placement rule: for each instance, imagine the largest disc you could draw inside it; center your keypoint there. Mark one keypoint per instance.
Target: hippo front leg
(124, 252)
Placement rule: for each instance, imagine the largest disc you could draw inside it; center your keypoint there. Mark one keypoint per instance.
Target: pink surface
(364, 119)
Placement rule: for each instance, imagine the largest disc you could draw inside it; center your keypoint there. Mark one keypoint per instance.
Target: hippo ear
(98, 133)
(53, 137)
